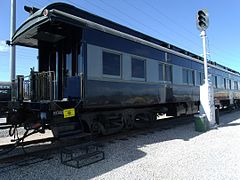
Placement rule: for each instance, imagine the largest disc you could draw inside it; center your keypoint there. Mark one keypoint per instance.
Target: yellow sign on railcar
(67, 113)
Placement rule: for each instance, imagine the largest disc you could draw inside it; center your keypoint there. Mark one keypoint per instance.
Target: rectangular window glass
(225, 83)
(214, 81)
(79, 59)
(235, 85)
(185, 76)
(111, 64)
(230, 84)
(216, 84)
(160, 70)
(202, 78)
(199, 78)
(138, 68)
(69, 65)
(220, 82)
(190, 77)
(168, 73)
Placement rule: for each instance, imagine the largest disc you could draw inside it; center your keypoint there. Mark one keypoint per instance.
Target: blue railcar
(98, 76)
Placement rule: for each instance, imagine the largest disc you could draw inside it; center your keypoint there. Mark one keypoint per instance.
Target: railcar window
(214, 81)
(79, 58)
(111, 64)
(160, 70)
(3, 91)
(168, 73)
(185, 76)
(138, 68)
(229, 84)
(199, 78)
(69, 65)
(188, 76)
(225, 83)
(220, 82)
(235, 85)
(5, 87)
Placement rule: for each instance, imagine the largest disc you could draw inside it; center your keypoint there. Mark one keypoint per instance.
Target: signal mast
(207, 106)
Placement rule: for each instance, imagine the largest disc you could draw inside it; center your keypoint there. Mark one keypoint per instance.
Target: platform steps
(82, 155)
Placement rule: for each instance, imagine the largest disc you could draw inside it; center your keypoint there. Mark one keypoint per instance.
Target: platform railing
(38, 86)
(44, 85)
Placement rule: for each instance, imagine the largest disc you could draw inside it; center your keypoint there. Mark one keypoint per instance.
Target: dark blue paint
(123, 94)
(72, 87)
(109, 41)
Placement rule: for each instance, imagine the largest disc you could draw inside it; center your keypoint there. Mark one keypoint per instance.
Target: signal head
(202, 20)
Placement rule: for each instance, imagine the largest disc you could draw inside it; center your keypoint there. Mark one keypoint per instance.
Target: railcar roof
(36, 19)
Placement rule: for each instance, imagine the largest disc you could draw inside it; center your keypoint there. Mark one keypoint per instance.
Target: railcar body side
(110, 75)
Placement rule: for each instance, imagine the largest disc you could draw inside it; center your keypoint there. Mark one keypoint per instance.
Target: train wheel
(128, 119)
(96, 129)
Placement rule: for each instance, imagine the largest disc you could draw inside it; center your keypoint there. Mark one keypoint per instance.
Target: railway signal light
(202, 20)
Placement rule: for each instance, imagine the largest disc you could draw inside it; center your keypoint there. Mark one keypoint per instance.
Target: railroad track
(34, 151)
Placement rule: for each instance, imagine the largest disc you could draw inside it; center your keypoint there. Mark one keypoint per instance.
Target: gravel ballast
(178, 153)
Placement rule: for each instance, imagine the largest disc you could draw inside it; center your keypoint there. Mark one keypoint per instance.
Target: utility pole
(207, 106)
(12, 47)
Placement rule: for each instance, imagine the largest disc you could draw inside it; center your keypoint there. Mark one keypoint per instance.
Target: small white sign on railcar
(3, 120)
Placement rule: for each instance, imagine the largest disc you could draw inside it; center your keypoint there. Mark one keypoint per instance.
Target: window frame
(225, 86)
(145, 68)
(229, 84)
(199, 74)
(235, 85)
(215, 81)
(188, 71)
(120, 58)
(164, 74)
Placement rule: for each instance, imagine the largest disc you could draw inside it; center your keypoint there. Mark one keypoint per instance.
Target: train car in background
(5, 91)
(5, 97)
(98, 76)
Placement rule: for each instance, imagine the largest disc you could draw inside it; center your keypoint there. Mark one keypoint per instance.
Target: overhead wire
(104, 10)
(169, 30)
(138, 22)
(219, 58)
(183, 28)
(119, 11)
(170, 19)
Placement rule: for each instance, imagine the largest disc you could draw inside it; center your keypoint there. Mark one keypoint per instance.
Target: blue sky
(172, 21)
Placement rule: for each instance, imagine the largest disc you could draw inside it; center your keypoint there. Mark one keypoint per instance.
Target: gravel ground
(178, 153)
